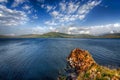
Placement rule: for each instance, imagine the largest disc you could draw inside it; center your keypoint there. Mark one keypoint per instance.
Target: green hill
(114, 35)
(4, 36)
(56, 35)
(62, 35)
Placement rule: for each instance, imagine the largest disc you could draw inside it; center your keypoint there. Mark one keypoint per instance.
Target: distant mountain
(56, 35)
(62, 35)
(30, 36)
(114, 35)
(47, 35)
(5, 36)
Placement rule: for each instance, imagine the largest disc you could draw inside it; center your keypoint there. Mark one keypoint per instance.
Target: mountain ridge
(62, 35)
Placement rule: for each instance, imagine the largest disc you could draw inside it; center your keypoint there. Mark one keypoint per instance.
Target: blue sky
(18, 17)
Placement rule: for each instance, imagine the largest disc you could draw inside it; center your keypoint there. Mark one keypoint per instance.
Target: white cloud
(42, 6)
(26, 7)
(12, 34)
(72, 7)
(69, 11)
(86, 8)
(51, 23)
(39, 30)
(48, 8)
(84, 32)
(103, 29)
(81, 17)
(75, 30)
(35, 16)
(1, 1)
(62, 6)
(116, 25)
(9, 17)
(29, 12)
(54, 13)
(17, 2)
(92, 30)
(43, 29)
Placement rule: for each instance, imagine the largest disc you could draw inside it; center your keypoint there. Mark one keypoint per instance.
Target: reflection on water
(41, 59)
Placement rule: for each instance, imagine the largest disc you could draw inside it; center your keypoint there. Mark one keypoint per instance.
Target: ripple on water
(41, 59)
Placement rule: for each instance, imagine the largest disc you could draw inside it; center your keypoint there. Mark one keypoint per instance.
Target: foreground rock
(81, 66)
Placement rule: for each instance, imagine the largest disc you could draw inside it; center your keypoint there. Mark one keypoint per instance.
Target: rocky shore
(81, 66)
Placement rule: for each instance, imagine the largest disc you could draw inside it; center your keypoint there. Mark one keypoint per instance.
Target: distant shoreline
(63, 35)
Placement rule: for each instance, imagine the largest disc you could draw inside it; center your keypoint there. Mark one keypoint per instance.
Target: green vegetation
(97, 72)
(56, 35)
(62, 35)
(85, 68)
(115, 35)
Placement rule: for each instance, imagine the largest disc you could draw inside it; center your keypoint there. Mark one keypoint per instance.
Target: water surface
(41, 59)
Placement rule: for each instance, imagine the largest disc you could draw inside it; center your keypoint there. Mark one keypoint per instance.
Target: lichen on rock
(83, 67)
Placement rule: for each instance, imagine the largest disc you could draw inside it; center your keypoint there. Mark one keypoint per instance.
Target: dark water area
(41, 59)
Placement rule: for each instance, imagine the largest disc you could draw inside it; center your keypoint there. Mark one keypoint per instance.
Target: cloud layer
(9, 17)
(92, 30)
(17, 2)
(3, 1)
(47, 17)
(66, 12)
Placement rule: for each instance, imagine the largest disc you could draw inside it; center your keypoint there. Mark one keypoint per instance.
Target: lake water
(41, 59)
